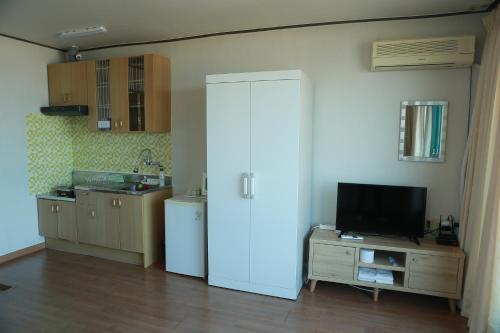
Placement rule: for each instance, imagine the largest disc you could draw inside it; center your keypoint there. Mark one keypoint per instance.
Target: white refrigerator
(185, 236)
(259, 169)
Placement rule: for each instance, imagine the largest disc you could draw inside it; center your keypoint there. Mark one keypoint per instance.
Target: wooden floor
(58, 292)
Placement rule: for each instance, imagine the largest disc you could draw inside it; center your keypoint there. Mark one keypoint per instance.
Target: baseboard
(22, 252)
(95, 251)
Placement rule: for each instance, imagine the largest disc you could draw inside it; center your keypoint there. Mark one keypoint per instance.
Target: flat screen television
(381, 209)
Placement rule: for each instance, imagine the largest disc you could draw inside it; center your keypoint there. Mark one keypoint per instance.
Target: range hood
(66, 110)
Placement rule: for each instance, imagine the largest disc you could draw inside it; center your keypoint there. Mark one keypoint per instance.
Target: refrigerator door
(185, 237)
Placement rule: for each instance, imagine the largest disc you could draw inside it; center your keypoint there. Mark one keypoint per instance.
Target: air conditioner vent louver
(426, 53)
(414, 48)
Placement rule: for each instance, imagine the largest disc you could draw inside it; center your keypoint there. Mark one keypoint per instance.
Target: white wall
(23, 89)
(356, 111)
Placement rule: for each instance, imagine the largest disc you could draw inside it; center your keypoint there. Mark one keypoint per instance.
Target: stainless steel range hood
(67, 110)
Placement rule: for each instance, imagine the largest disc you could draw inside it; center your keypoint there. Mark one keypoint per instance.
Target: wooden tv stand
(428, 269)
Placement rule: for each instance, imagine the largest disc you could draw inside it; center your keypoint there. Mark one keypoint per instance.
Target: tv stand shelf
(428, 269)
(381, 261)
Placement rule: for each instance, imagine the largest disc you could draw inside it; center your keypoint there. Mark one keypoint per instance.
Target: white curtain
(422, 131)
(480, 212)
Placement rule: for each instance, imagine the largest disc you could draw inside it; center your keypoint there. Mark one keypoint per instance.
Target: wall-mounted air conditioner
(425, 53)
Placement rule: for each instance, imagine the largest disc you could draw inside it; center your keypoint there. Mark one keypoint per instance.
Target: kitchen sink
(125, 188)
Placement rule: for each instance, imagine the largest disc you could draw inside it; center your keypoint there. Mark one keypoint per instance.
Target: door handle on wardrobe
(252, 185)
(244, 179)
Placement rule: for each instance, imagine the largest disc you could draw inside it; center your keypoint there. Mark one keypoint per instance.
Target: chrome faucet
(146, 160)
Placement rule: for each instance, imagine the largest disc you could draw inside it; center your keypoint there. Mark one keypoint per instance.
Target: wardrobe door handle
(244, 179)
(252, 185)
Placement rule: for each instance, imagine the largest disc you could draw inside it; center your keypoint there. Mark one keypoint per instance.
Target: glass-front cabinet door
(130, 94)
(103, 95)
(136, 103)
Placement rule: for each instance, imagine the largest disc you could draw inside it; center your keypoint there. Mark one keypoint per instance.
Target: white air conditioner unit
(425, 53)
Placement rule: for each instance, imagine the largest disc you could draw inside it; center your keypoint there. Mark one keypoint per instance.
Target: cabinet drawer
(333, 261)
(433, 273)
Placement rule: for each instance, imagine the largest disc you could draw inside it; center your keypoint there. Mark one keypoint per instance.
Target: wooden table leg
(375, 294)
(313, 285)
(453, 305)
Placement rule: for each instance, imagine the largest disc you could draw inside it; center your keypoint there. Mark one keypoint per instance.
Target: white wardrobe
(259, 175)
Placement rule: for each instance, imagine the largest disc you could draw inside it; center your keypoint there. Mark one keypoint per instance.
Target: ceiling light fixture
(83, 32)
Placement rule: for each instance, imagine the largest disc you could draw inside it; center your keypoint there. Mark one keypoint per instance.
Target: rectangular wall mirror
(422, 135)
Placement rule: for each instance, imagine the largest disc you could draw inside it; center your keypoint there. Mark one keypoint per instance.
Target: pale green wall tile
(106, 151)
(50, 152)
(57, 145)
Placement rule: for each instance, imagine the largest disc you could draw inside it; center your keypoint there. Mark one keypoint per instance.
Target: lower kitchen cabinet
(131, 212)
(110, 220)
(57, 219)
(98, 219)
(131, 223)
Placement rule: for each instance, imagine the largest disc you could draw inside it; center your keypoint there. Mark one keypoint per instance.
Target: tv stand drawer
(333, 261)
(433, 273)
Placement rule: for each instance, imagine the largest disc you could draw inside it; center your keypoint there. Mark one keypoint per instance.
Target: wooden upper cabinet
(68, 83)
(157, 93)
(130, 94)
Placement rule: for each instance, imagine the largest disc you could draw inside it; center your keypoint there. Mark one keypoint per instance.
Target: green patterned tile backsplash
(106, 151)
(58, 145)
(50, 151)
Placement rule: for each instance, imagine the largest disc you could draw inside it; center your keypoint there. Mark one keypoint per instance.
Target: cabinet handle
(252, 185)
(69, 97)
(116, 124)
(244, 179)
(114, 202)
(52, 208)
(92, 213)
(119, 202)
(121, 123)
(57, 208)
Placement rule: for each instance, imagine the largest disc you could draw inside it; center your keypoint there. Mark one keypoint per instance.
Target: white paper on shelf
(381, 276)
(384, 276)
(367, 274)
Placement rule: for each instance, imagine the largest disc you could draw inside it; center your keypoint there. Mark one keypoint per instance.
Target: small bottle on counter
(162, 177)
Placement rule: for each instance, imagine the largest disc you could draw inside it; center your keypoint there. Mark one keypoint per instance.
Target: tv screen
(381, 209)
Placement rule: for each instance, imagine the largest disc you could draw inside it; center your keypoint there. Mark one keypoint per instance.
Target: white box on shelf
(367, 256)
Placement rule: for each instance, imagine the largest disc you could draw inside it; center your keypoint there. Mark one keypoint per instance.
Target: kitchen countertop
(108, 182)
(93, 188)
(53, 196)
(97, 188)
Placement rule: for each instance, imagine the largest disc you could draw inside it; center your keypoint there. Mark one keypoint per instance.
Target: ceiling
(131, 21)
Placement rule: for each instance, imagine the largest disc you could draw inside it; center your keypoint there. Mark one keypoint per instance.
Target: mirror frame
(402, 124)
